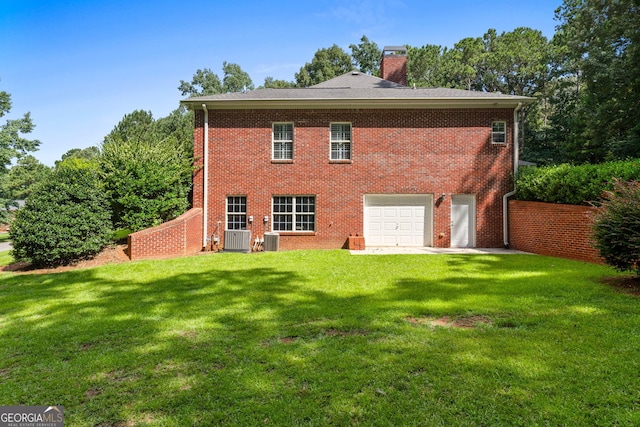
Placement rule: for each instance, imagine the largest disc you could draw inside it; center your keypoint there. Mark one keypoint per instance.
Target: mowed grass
(324, 338)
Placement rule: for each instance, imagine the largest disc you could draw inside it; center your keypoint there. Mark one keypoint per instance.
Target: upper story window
(499, 132)
(283, 141)
(340, 141)
(236, 213)
(294, 213)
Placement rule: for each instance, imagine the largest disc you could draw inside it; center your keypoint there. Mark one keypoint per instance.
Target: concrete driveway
(433, 251)
(5, 246)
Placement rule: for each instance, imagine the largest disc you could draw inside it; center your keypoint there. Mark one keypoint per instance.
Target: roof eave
(394, 103)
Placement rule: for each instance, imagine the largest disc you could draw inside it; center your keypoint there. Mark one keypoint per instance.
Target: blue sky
(80, 66)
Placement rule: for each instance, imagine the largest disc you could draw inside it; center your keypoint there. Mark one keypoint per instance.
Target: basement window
(499, 132)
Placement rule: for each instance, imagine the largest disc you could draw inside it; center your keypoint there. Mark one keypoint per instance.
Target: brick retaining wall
(181, 236)
(551, 229)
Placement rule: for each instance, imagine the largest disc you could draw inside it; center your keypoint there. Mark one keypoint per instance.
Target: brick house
(358, 154)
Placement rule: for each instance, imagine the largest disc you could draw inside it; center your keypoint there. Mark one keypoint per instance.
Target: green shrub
(574, 185)
(147, 169)
(67, 218)
(616, 228)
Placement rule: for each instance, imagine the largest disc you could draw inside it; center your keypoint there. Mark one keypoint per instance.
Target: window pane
(498, 138)
(340, 151)
(340, 132)
(305, 222)
(282, 222)
(282, 204)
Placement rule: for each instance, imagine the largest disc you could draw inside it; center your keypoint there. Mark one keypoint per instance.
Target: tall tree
(425, 66)
(12, 146)
(603, 55)
(235, 79)
(464, 62)
(517, 62)
(326, 64)
(20, 181)
(366, 56)
(204, 82)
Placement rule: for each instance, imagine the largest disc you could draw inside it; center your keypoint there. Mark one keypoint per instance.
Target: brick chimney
(393, 66)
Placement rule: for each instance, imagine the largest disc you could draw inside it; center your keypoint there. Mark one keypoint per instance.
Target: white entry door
(463, 221)
(398, 220)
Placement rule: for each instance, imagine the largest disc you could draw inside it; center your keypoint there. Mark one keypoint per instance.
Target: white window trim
(273, 141)
(294, 213)
(350, 141)
(503, 133)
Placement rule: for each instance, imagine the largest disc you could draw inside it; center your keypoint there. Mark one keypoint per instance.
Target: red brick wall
(181, 236)
(551, 229)
(393, 152)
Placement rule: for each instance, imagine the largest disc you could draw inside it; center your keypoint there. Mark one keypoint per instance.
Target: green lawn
(324, 338)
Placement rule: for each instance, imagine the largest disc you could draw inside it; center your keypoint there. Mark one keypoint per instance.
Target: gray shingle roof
(356, 89)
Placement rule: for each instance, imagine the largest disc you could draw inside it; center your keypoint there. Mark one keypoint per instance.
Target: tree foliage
(271, 83)
(146, 171)
(21, 180)
(66, 218)
(326, 64)
(366, 56)
(12, 147)
(206, 82)
(616, 228)
(598, 56)
(235, 79)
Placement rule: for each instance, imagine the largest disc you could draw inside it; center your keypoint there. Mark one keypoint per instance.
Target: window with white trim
(236, 213)
(282, 136)
(340, 141)
(294, 213)
(499, 132)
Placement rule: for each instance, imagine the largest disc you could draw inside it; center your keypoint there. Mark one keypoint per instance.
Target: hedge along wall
(180, 236)
(552, 229)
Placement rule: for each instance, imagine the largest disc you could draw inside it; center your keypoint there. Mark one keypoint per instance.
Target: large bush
(616, 228)
(66, 218)
(573, 185)
(147, 172)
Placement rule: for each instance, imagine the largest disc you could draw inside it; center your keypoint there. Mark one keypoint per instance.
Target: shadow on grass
(242, 345)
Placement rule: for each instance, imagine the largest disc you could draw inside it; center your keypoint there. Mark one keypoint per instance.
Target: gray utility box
(271, 242)
(237, 240)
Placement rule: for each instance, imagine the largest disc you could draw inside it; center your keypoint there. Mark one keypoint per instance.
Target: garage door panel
(397, 220)
(375, 212)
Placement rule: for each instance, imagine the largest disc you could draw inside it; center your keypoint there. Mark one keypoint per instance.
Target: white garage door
(398, 220)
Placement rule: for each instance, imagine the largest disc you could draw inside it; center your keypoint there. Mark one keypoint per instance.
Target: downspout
(205, 189)
(516, 160)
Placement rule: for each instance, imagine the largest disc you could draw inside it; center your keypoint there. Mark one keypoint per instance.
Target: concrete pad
(434, 251)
